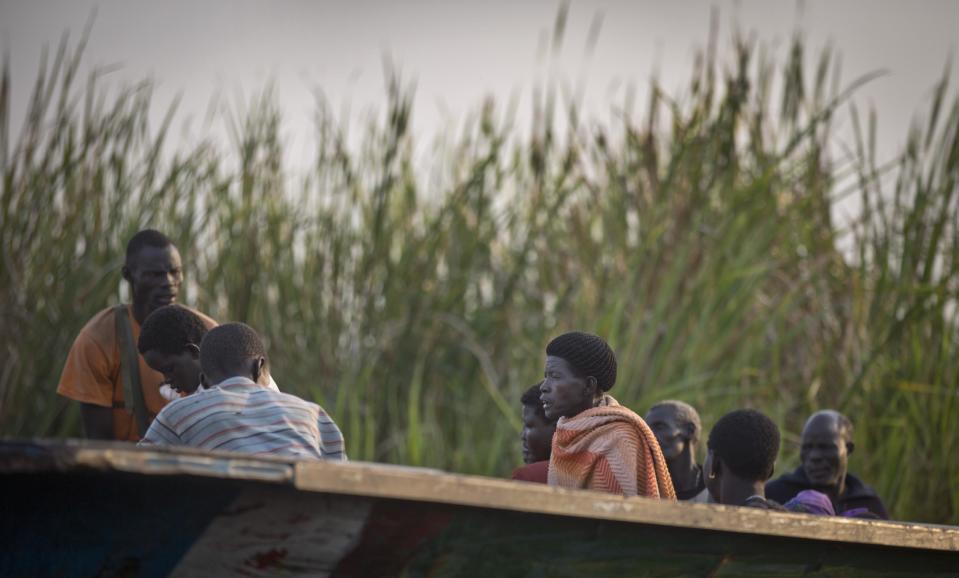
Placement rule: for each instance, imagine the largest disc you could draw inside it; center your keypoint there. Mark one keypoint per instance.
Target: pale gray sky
(459, 52)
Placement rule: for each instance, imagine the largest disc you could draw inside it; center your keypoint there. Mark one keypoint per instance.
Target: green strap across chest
(130, 369)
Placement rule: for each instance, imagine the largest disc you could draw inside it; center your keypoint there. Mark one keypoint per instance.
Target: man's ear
(127, 274)
(772, 470)
(850, 446)
(193, 349)
(204, 381)
(257, 368)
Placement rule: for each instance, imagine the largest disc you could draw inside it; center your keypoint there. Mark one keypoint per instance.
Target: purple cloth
(859, 513)
(811, 502)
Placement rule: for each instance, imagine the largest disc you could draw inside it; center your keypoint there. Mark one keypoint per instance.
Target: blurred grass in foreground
(698, 240)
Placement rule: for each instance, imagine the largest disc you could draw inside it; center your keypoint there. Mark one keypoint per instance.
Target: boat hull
(81, 510)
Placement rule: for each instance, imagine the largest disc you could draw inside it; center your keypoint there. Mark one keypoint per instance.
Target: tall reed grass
(699, 239)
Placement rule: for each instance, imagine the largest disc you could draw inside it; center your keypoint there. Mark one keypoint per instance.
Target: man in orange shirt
(119, 394)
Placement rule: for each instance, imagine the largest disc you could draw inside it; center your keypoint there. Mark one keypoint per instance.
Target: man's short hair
(226, 347)
(688, 412)
(531, 399)
(170, 329)
(748, 443)
(146, 238)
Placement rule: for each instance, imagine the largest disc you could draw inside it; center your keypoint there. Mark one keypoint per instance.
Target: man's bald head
(826, 445)
(831, 418)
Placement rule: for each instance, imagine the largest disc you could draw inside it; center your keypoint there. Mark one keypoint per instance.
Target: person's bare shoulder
(207, 320)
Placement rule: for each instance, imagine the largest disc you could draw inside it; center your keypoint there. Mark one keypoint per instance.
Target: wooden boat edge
(420, 484)
(376, 481)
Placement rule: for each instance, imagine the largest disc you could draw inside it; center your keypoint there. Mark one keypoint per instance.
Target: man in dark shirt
(826, 445)
(677, 428)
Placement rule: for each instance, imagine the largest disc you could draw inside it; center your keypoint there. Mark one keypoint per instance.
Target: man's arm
(88, 377)
(97, 421)
(332, 446)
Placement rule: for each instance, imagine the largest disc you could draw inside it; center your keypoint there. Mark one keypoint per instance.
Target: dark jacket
(691, 493)
(857, 494)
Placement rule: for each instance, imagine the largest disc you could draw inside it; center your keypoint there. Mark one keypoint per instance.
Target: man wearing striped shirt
(236, 411)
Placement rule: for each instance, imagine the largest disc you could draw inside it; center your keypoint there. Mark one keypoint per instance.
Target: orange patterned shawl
(611, 449)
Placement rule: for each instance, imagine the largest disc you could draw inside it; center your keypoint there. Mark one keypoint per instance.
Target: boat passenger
(598, 444)
(677, 428)
(118, 392)
(826, 445)
(742, 449)
(537, 439)
(170, 344)
(237, 411)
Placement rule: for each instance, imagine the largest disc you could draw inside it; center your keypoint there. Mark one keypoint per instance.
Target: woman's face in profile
(562, 392)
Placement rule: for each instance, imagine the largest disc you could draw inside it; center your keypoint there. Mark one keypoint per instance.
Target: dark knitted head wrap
(588, 354)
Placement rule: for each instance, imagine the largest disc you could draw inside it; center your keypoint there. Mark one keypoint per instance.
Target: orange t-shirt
(92, 372)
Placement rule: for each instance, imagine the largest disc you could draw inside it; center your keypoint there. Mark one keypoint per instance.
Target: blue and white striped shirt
(238, 415)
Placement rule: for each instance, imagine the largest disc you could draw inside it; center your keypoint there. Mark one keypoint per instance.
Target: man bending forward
(237, 411)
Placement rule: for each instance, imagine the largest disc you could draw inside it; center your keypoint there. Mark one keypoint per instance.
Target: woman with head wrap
(598, 444)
